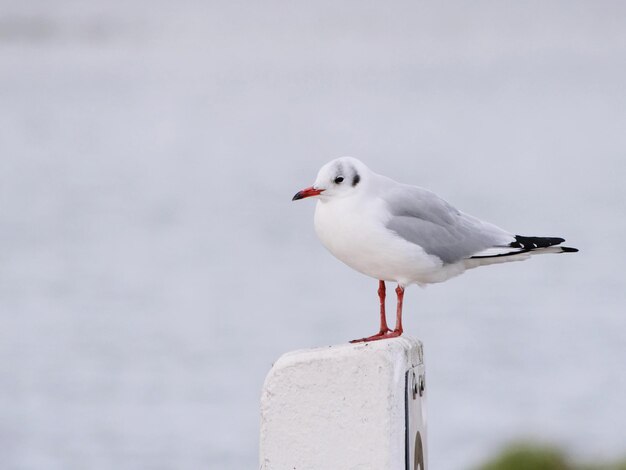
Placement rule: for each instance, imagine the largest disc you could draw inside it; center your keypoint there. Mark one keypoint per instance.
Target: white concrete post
(356, 406)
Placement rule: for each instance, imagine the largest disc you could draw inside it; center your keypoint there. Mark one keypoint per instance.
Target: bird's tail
(527, 245)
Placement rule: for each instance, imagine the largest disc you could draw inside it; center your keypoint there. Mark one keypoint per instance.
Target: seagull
(405, 234)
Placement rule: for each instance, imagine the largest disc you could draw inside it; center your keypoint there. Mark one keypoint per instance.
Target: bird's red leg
(382, 290)
(397, 331)
(384, 329)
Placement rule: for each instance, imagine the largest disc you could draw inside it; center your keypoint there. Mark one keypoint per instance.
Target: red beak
(307, 192)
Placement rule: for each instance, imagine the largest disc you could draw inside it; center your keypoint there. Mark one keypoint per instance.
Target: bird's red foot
(378, 336)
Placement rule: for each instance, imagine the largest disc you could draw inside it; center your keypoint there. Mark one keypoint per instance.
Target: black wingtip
(568, 249)
(531, 243)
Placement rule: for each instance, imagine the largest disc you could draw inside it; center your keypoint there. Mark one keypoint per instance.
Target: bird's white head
(341, 177)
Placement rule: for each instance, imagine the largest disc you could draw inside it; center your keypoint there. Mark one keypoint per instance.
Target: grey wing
(421, 217)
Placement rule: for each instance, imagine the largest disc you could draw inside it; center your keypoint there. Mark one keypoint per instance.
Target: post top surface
(408, 349)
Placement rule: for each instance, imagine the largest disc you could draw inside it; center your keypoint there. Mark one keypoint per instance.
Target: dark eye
(339, 179)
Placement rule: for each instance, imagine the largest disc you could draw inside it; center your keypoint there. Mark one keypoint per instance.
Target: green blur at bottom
(527, 456)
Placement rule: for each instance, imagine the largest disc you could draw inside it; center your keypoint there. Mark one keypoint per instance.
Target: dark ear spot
(356, 179)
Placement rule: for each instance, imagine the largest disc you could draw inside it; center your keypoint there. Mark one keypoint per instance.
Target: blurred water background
(152, 264)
